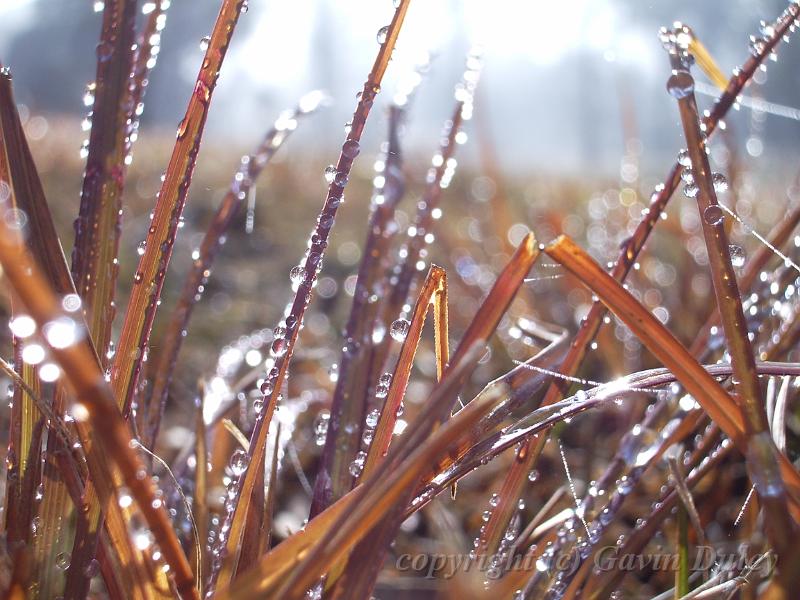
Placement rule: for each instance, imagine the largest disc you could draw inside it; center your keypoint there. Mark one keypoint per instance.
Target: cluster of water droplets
(61, 332)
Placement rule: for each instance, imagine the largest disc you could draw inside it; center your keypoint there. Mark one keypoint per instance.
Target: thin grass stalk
(363, 567)
(283, 346)
(149, 278)
(527, 456)
(145, 56)
(200, 498)
(762, 455)
(98, 226)
(777, 238)
(378, 494)
(97, 410)
(433, 294)
(349, 396)
(245, 178)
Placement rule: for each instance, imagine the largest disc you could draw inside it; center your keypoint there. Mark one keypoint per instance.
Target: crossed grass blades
(91, 509)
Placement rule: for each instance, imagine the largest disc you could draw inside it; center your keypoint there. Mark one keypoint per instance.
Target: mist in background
(558, 76)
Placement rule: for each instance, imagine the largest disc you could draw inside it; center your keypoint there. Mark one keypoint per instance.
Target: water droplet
(713, 215)
(350, 149)
(719, 181)
(399, 329)
(690, 190)
(330, 173)
(358, 464)
(92, 569)
(297, 274)
(141, 247)
(683, 158)
(383, 32)
(22, 326)
(372, 418)
(737, 255)
(63, 561)
(61, 332)
(104, 51)
(204, 42)
(239, 460)
(680, 84)
(321, 427)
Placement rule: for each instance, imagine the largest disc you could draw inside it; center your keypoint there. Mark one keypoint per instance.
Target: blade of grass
(706, 391)
(245, 178)
(433, 294)
(349, 396)
(97, 227)
(96, 409)
(149, 278)
(779, 524)
(283, 347)
(590, 325)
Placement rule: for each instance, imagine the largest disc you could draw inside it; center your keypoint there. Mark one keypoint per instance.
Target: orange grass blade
(705, 389)
(97, 228)
(283, 348)
(96, 409)
(149, 278)
(762, 451)
(527, 456)
(245, 178)
(434, 291)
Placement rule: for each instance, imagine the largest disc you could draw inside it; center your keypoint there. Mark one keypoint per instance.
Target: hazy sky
(557, 74)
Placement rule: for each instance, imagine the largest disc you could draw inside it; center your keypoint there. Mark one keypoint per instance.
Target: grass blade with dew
(420, 233)
(151, 271)
(378, 436)
(363, 324)
(150, 274)
(203, 257)
(349, 396)
(97, 410)
(729, 303)
(97, 228)
(49, 496)
(527, 456)
(706, 391)
(145, 56)
(378, 495)
(369, 553)
(777, 238)
(283, 345)
(433, 296)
